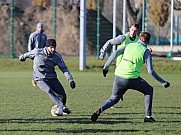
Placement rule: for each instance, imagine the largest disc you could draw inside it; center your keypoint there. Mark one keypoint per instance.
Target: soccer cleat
(33, 83)
(66, 110)
(151, 119)
(95, 116)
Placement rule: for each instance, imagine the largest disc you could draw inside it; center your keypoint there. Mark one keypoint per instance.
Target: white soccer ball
(55, 111)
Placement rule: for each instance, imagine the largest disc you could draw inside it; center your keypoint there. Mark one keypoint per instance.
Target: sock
(99, 111)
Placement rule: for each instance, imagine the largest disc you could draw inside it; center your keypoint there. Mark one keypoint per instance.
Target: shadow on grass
(168, 113)
(61, 130)
(69, 120)
(65, 120)
(86, 130)
(169, 107)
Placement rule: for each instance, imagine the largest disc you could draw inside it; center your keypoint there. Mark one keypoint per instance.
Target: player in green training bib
(127, 75)
(121, 41)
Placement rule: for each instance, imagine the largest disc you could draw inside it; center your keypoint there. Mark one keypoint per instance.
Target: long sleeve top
(147, 59)
(44, 64)
(37, 40)
(115, 41)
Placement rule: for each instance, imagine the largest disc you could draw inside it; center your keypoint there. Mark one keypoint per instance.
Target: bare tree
(134, 12)
(177, 4)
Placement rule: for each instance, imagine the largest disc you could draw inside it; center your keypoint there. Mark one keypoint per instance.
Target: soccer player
(45, 60)
(37, 39)
(127, 75)
(121, 41)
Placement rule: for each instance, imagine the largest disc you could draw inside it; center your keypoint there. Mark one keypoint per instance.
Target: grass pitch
(25, 110)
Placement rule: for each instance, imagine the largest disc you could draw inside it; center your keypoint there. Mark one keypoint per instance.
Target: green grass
(25, 110)
(160, 65)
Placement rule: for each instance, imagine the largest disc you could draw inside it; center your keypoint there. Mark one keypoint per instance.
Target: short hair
(135, 25)
(145, 36)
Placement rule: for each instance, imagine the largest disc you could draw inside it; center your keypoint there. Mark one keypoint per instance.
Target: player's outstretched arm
(113, 56)
(151, 71)
(30, 55)
(115, 41)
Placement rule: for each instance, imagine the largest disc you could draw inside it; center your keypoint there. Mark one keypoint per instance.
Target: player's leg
(59, 90)
(117, 93)
(48, 90)
(142, 86)
(53, 96)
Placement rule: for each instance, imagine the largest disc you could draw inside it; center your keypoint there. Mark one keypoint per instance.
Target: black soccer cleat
(66, 110)
(151, 119)
(95, 116)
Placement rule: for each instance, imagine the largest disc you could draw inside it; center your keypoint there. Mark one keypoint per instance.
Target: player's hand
(101, 56)
(72, 84)
(22, 58)
(150, 50)
(104, 72)
(166, 84)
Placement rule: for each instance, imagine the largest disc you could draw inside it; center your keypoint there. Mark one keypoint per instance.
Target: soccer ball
(55, 111)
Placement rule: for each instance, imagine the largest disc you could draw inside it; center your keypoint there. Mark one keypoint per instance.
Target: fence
(67, 24)
(160, 34)
(19, 18)
(159, 29)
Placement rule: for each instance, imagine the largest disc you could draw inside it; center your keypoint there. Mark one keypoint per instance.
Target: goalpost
(82, 52)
